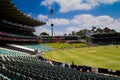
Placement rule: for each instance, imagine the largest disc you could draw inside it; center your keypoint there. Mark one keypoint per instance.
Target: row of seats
(13, 26)
(5, 52)
(18, 35)
(40, 47)
(32, 68)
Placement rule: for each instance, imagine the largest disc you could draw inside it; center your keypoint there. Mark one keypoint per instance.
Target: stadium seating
(13, 33)
(18, 35)
(40, 47)
(31, 68)
(5, 52)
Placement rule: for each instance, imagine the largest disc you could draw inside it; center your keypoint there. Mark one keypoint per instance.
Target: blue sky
(72, 15)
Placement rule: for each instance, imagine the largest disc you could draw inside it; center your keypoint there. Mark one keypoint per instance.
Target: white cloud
(55, 21)
(39, 30)
(58, 33)
(80, 22)
(107, 1)
(72, 5)
(47, 30)
(58, 21)
(87, 21)
(70, 29)
(47, 2)
(82, 19)
(42, 17)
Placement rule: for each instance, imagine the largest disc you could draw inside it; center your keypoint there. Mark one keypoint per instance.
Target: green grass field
(65, 45)
(98, 57)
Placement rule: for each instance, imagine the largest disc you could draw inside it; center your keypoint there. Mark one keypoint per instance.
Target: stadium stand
(9, 46)
(17, 64)
(15, 26)
(67, 39)
(11, 52)
(40, 47)
(106, 38)
(31, 68)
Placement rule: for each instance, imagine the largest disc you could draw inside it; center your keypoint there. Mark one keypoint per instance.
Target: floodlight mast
(51, 13)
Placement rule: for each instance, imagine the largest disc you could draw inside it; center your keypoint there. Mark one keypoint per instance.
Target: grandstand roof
(10, 13)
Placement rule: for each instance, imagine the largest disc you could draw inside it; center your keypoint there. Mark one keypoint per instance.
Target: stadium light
(51, 12)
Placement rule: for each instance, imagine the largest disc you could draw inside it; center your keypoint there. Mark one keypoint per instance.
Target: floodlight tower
(51, 13)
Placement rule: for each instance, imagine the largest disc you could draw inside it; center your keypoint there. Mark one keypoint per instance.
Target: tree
(82, 33)
(65, 34)
(107, 30)
(99, 30)
(73, 33)
(44, 34)
(85, 33)
(113, 31)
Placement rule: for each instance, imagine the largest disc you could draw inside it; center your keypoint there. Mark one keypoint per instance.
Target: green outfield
(98, 57)
(65, 45)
